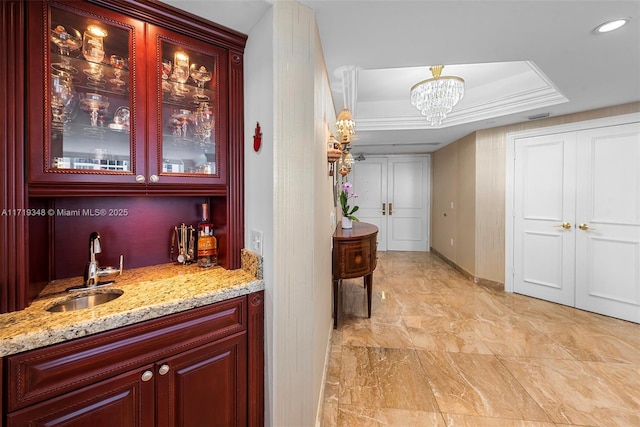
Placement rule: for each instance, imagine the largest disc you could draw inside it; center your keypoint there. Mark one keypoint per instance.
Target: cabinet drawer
(43, 373)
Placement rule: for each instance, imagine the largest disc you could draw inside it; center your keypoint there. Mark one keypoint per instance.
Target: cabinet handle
(163, 369)
(154, 178)
(390, 209)
(384, 207)
(147, 375)
(140, 179)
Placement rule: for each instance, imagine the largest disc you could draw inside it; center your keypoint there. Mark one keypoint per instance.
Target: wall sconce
(345, 126)
(334, 152)
(346, 162)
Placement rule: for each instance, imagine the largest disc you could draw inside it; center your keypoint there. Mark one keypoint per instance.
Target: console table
(354, 255)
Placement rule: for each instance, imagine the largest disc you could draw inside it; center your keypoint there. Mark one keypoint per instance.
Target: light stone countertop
(149, 292)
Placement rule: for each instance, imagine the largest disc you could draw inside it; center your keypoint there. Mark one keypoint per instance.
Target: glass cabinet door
(191, 99)
(89, 90)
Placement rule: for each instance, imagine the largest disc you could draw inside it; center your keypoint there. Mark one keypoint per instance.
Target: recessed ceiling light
(611, 25)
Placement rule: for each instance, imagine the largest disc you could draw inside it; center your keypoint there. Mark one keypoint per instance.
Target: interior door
(608, 221)
(370, 184)
(394, 195)
(544, 212)
(408, 196)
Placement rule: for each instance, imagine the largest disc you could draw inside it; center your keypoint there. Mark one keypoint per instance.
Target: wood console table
(354, 255)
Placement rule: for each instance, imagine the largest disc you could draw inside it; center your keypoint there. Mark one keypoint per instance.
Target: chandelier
(436, 97)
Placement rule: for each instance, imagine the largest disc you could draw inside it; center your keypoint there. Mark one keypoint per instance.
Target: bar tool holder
(184, 237)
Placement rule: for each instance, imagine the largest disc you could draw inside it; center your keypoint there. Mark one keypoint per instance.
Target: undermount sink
(86, 301)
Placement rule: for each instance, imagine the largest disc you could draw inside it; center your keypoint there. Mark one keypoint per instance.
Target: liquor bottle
(207, 242)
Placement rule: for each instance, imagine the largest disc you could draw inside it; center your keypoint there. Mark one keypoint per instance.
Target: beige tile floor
(442, 351)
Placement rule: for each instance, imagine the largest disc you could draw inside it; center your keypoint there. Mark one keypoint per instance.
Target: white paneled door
(608, 221)
(394, 195)
(577, 219)
(544, 241)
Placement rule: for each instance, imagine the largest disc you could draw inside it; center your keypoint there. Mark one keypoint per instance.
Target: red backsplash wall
(137, 227)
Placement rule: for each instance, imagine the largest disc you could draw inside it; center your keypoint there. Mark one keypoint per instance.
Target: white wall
(288, 196)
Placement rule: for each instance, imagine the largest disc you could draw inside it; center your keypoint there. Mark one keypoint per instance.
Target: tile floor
(442, 351)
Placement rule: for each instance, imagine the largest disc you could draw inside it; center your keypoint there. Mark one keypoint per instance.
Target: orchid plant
(346, 194)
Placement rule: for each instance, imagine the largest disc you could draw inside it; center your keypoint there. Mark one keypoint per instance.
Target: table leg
(335, 304)
(368, 283)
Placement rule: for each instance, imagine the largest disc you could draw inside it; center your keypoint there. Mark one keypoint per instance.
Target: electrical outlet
(256, 241)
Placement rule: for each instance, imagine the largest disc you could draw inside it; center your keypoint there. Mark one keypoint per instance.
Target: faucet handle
(94, 243)
(121, 264)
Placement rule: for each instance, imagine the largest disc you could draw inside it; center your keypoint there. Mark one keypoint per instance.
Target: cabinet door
(188, 109)
(206, 386)
(124, 401)
(86, 83)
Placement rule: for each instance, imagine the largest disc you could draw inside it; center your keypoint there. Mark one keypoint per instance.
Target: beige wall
(288, 189)
(489, 179)
(453, 202)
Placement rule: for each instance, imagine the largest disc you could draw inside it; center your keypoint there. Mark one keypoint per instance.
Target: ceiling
(519, 59)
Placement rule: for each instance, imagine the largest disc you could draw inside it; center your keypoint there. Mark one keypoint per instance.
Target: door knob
(565, 225)
(140, 179)
(384, 207)
(390, 208)
(585, 227)
(163, 369)
(147, 375)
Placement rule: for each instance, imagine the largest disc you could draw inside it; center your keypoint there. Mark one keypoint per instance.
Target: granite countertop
(148, 293)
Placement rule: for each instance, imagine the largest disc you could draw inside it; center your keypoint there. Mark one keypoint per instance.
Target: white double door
(577, 219)
(394, 195)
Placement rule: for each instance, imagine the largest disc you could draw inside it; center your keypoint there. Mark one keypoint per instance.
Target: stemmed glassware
(67, 41)
(180, 74)
(166, 72)
(200, 75)
(96, 105)
(118, 63)
(93, 51)
(203, 122)
(62, 98)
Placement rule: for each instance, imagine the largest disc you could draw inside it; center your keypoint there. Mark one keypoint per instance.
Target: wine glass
(67, 40)
(180, 73)
(96, 105)
(200, 75)
(118, 63)
(166, 72)
(62, 97)
(203, 122)
(93, 43)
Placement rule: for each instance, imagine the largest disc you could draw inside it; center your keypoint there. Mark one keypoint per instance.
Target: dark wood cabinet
(112, 124)
(193, 368)
(132, 104)
(354, 255)
(125, 400)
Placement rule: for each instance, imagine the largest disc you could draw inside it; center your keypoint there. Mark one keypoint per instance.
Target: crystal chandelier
(436, 97)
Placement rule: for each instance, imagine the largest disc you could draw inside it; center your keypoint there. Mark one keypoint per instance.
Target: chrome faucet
(92, 271)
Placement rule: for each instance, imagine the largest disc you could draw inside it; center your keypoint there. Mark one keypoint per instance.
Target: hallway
(441, 351)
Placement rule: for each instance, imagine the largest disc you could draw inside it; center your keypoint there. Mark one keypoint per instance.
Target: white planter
(347, 222)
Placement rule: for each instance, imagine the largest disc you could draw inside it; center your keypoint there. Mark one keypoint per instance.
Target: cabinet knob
(147, 375)
(140, 179)
(154, 178)
(163, 369)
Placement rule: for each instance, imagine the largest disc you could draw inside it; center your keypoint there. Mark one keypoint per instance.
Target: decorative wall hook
(257, 138)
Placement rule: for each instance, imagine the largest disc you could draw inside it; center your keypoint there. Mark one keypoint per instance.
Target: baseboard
(496, 286)
(327, 356)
